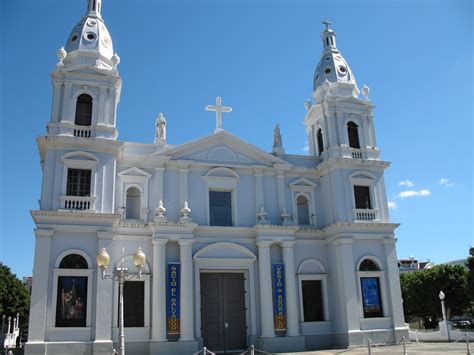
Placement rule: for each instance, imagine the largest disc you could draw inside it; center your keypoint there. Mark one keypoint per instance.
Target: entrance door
(223, 325)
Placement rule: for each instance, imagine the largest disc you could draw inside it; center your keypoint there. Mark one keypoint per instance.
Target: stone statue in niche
(160, 124)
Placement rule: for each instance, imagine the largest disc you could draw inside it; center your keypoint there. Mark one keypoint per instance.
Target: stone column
(101, 109)
(266, 297)
(158, 330)
(290, 288)
(39, 291)
(187, 289)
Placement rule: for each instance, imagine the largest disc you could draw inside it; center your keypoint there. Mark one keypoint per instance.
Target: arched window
(369, 275)
(83, 110)
(133, 203)
(353, 133)
(72, 287)
(73, 261)
(368, 265)
(302, 210)
(319, 138)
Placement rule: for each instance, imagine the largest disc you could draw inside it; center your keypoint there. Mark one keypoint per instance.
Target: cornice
(55, 217)
(349, 163)
(76, 143)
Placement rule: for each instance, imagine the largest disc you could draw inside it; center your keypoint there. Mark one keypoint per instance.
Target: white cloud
(406, 183)
(412, 193)
(306, 148)
(445, 182)
(392, 205)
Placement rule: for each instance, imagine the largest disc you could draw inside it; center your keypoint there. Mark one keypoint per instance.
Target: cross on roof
(327, 23)
(218, 108)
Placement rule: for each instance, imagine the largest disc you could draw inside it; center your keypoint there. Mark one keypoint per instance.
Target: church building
(243, 246)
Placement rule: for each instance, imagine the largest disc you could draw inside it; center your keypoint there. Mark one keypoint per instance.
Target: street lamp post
(443, 308)
(121, 274)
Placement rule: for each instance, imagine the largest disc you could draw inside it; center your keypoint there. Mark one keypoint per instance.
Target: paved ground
(411, 349)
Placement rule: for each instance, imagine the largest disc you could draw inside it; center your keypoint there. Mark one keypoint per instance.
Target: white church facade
(243, 246)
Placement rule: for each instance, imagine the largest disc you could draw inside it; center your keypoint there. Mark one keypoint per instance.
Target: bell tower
(86, 81)
(339, 123)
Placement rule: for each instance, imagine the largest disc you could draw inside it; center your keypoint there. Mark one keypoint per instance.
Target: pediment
(302, 182)
(134, 172)
(225, 148)
(225, 250)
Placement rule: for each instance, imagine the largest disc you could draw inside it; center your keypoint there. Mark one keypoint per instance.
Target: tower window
(220, 208)
(83, 110)
(319, 138)
(362, 197)
(78, 182)
(327, 41)
(353, 133)
(302, 208)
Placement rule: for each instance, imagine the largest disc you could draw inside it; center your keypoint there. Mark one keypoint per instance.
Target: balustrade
(82, 131)
(77, 202)
(365, 214)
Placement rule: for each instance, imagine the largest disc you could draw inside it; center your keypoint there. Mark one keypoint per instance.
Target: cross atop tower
(218, 108)
(327, 23)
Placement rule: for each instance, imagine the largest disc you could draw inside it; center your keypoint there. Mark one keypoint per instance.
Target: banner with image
(173, 299)
(371, 297)
(279, 310)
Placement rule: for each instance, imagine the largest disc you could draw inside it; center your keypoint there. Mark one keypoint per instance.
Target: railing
(77, 202)
(365, 214)
(357, 154)
(82, 131)
(251, 350)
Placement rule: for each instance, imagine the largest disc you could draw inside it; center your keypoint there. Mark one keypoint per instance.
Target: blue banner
(371, 297)
(279, 311)
(173, 305)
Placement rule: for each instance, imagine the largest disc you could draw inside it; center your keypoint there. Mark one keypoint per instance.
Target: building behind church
(243, 246)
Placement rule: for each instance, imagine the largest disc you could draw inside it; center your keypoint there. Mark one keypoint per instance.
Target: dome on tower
(332, 65)
(91, 34)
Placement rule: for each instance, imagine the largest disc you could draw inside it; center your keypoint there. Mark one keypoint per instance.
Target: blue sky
(259, 56)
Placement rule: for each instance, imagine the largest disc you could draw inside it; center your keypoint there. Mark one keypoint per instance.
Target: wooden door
(223, 325)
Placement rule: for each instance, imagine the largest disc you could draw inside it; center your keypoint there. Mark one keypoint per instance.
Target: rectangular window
(220, 208)
(362, 197)
(133, 304)
(78, 182)
(312, 300)
(71, 301)
(372, 301)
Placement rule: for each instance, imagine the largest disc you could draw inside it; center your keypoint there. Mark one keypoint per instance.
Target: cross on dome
(218, 108)
(327, 23)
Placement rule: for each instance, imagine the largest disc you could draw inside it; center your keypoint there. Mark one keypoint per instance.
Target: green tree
(420, 292)
(470, 275)
(14, 297)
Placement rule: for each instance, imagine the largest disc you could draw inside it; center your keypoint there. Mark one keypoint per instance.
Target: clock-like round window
(90, 36)
(327, 70)
(74, 38)
(342, 69)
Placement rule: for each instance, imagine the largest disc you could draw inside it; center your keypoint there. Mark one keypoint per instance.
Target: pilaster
(290, 288)
(259, 198)
(103, 306)
(158, 330)
(159, 171)
(39, 294)
(187, 289)
(281, 192)
(183, 183)
(393, 282)
(265, 278)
